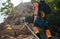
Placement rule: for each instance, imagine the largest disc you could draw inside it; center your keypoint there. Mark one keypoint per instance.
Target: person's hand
(35, 17)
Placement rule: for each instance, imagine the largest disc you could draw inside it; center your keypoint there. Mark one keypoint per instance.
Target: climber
(41, 9)
(36, 30)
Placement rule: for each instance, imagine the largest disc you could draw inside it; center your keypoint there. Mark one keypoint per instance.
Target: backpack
(44, 7)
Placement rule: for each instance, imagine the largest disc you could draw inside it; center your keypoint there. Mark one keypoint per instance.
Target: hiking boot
(38, 34)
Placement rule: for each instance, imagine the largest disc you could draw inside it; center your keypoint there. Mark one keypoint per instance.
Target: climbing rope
(31, 31)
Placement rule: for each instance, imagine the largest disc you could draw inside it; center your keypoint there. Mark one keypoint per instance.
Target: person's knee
(36, 30)
(48, 33)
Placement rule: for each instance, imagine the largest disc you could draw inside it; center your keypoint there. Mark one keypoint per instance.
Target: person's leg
(48, 33)
(47, 30)
(36, 31)
(37, 24)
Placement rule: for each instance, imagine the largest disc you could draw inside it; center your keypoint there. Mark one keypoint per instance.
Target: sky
(15, 2)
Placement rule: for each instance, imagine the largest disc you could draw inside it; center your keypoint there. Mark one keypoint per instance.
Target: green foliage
(7, 8)
(54, 18)
(49, 1)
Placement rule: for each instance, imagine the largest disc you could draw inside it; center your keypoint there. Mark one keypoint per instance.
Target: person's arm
(35, 13)
(35, 18)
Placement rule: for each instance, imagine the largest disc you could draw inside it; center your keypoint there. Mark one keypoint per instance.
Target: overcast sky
(15, 2)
